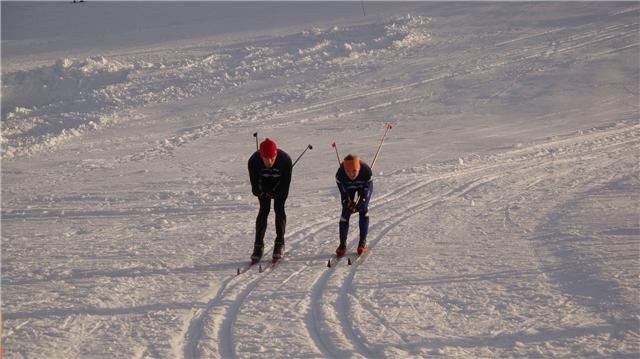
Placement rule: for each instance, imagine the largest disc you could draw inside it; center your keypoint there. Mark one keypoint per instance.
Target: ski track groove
(343, 307)
(193, 336)
(355, 336)
(226, 343)
(348, 289)
(235, 291)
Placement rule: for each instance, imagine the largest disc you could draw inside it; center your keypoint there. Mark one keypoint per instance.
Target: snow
(506, 215)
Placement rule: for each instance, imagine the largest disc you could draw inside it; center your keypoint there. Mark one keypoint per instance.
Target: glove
(352, 206)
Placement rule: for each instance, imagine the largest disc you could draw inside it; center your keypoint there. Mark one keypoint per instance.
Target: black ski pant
(263, 216)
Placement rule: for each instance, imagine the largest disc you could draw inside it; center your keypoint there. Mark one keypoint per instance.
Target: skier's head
(268, 152)
(351, 166)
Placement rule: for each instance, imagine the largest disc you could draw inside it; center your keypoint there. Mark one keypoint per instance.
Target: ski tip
(349, 261)
(329, 263)
(260, 269)
(238, 273)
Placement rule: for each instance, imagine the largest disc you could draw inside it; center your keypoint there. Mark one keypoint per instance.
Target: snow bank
(66, 80)
(44, 106)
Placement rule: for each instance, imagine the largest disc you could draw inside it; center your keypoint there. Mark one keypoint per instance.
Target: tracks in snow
(522, 169)
(328, 317)
(576, 44)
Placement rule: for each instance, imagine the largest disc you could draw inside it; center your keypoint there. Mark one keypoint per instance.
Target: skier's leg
(344, 220)
(281, 222)
(261, 221)
(344, 225)
(281, 218)
(364, 228)
(364, 225)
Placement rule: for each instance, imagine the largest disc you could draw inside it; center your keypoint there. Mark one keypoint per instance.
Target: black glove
(354, 207)
(350, 205)
(267, 195)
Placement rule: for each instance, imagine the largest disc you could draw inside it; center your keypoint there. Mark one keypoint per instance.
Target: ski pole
(255, 134)
(309, 147)
(336, 148)
(373, 163)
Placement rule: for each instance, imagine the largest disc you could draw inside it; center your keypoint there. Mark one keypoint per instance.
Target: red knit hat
(268, 148)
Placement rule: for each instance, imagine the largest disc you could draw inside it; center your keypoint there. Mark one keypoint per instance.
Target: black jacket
(270, 180)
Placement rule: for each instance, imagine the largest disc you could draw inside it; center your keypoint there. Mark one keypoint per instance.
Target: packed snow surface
(506, 215)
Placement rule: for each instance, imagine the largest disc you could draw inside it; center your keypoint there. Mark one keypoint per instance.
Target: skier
(354, 177)
(270, 174)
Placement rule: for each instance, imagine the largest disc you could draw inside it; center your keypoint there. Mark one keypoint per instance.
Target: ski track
(347, 295)
(343, 306)
(333, 330)
(225, 298)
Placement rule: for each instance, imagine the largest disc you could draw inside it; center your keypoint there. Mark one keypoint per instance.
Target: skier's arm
(255, 180)
(344, 194)
(366, 190)
(365, 195)
(285, 179)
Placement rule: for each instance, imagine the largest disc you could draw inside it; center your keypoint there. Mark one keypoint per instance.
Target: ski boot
(362, 247)
(341, 250)
(257, 254)
(278, 250)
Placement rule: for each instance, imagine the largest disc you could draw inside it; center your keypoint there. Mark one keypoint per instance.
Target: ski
(247, 267)
(358, 257)
(334, 260)
(273, 263)
(355, 259)
(352, 258)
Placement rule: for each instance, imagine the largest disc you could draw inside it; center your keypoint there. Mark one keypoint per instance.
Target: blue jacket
(363, 184)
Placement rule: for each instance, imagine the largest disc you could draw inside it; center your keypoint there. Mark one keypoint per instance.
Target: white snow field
(506, 215)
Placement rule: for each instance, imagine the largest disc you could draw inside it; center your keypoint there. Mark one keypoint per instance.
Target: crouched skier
(270, 174)
(354, 177)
